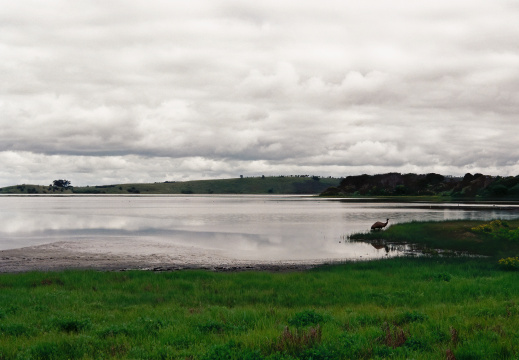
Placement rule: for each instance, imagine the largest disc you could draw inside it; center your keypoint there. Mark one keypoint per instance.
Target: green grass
(456, 235)
(418, 308)
(253, 185)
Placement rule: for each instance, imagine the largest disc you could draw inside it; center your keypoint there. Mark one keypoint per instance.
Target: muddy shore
(115, 256)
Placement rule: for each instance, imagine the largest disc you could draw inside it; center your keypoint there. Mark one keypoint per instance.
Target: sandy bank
(119, 256)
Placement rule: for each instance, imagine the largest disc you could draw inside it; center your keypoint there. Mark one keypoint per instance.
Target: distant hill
(300, 184)
(396, 184)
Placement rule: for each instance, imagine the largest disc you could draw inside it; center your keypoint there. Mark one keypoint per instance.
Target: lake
(252, 227)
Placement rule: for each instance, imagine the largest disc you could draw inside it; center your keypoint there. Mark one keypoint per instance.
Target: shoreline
(61, 256)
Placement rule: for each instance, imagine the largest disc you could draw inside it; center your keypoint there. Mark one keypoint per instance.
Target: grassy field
(427, 307)
(422, 308)
(252, 185)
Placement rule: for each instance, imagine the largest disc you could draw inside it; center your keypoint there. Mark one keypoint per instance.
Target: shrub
(492, 226)
(509, 263)
(500, 230)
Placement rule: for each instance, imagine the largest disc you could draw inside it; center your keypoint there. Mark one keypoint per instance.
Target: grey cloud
(235, 87)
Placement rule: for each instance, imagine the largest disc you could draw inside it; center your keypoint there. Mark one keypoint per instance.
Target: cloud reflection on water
(255, 228)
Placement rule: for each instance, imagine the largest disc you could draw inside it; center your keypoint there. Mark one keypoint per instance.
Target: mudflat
(124, 255)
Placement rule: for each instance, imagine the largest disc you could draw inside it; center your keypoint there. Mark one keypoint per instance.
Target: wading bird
(379, 225)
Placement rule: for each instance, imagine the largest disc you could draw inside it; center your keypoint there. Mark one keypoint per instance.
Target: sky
(120, 91)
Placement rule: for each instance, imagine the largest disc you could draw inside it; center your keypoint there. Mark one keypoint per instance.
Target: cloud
(136, 91)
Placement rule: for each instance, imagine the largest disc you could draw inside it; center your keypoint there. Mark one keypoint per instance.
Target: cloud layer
(122, 91)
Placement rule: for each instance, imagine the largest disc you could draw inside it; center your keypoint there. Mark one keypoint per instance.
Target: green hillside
(252, 185)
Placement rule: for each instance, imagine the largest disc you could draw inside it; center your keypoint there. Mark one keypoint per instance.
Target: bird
(379, 225)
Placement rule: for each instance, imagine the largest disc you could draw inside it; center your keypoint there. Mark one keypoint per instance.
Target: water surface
(247, 227)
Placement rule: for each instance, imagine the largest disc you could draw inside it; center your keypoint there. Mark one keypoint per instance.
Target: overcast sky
(118, 91)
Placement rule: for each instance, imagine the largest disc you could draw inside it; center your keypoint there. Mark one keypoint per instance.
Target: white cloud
(121, 91)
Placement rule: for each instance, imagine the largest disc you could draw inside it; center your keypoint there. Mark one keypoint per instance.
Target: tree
(65, 184)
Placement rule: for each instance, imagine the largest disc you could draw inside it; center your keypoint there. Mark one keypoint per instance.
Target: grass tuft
(295, 341)
(306, 318)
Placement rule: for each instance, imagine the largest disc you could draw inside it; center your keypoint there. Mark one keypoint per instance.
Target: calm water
(249, 227)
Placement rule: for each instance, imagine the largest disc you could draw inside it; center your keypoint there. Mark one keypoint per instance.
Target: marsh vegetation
(495, 238)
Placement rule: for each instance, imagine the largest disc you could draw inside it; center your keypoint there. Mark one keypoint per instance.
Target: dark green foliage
(401, 190)
(62, 183)
(211, 326)
(416, 345)
(8, 310)
(115, 330)
(152, 326)
(15, 329)
(396, 184)
(231, 351)
(306, 318)
(441, 277)
(332, 191)
(71, 324)
(411, 316)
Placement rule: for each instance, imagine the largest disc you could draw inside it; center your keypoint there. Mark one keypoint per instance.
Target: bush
(509, 263)
(500, 230)
(491, 227)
